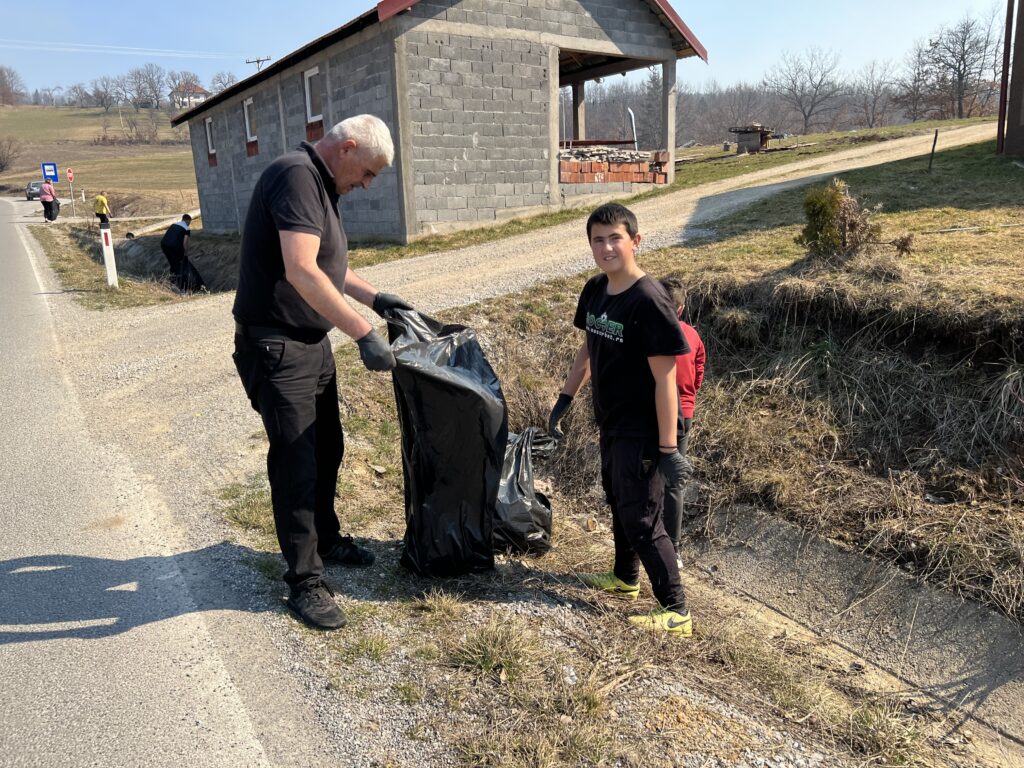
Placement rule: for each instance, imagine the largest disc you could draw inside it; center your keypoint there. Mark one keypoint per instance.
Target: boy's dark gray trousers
(293, 385)
(636, 492)
(674, 495)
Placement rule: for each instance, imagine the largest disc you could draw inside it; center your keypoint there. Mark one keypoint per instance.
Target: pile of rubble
(604, 155)
(603, 165)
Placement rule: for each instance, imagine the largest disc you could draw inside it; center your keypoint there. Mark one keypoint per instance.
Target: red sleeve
(698, 365)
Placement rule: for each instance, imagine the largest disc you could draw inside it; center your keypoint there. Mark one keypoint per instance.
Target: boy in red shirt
(689, 377)
(629, 356)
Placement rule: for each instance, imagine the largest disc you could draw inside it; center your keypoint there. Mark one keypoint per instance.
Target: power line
(58, 47)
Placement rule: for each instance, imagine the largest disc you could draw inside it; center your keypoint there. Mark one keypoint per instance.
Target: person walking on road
(101, 207)
(48, 197)
(293, 282)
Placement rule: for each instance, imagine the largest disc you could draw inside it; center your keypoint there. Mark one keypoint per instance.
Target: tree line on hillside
(954, 73)
(147, 87)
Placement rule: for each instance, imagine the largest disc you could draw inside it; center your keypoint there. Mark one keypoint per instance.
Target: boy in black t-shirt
(632, 341)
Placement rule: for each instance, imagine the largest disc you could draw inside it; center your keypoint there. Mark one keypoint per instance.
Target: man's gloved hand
(375, 352)
(675, 468)
(561, 406)
(382, 302)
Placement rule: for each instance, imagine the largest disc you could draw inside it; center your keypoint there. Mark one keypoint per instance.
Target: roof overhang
(684, 42)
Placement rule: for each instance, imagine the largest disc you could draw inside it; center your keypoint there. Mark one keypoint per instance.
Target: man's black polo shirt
(296, 193)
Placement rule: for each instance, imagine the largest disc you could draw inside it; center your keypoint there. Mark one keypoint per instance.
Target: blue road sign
(50, 172)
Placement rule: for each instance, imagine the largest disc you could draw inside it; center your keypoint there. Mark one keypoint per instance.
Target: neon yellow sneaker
(610, 583)
(665, 621)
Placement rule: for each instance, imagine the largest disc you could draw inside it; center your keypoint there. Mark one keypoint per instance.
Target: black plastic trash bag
(454, 430)
(522, 521)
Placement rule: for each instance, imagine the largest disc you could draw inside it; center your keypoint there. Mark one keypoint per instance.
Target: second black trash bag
(454, 429)
(522, 523)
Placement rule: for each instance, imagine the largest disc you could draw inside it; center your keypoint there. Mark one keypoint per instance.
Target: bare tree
(222, 80)
(913, 87)
(78, 95)
(872, 92)
(809, 83)
(959, 56)
(154, 84)
(12, 87)
(9, 151)
(104, 92)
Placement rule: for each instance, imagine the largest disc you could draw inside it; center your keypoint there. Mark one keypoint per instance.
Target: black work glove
(375, 353)
(675, 468)
(383, 302)
(561, 406)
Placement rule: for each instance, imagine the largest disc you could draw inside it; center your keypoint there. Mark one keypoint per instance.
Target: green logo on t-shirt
(604, 327)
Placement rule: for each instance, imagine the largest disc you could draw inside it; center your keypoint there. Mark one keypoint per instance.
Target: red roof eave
(388, 8)
(684, 30)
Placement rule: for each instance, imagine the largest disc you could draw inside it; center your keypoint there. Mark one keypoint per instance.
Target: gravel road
(158, 393)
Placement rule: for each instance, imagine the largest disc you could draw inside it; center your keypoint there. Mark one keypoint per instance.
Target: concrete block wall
(478, 109)
(363, 81)
(357, 76)
(624, 22)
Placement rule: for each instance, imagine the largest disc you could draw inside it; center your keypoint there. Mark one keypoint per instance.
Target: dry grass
(823, 404)
(75, 257)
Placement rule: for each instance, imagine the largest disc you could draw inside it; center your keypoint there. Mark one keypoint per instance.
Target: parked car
(32, 190)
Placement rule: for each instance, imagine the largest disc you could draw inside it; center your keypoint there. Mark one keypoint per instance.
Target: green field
(63, 124)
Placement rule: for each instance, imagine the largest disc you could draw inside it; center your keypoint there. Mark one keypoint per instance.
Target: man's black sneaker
(347, 552)
(315, 605)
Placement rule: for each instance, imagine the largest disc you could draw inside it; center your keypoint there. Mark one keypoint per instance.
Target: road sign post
(107, 243)
(71, 185)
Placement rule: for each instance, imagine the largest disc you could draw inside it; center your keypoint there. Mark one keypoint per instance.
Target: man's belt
(307, 336)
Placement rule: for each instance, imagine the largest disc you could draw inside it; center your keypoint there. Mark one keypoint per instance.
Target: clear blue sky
(57, 42)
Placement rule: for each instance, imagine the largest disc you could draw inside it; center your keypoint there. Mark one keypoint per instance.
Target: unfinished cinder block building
(470, 91)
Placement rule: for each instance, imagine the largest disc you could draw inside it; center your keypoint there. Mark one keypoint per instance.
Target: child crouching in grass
(632, 339)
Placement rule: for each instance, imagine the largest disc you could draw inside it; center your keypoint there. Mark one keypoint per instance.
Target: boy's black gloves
(675, 468)
(383, 302)
(375, 353)
(561, 406)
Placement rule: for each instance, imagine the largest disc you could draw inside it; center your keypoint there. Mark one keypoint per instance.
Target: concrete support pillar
(554, 107)
(668, 114)
(1015, 106)
(403, 143)
(579, 111)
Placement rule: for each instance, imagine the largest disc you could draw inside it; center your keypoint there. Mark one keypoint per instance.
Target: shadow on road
(46, 597)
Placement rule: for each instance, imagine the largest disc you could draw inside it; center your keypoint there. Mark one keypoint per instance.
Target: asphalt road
(103, 658)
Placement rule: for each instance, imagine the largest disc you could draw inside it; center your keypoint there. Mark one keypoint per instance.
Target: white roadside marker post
(107, 243)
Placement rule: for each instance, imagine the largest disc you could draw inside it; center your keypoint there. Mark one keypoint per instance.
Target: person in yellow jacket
(101, 207)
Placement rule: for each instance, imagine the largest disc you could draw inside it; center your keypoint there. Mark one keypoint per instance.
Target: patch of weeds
(427, 652)
(249, 508)
(881, 730)
(372, 646)
(408, 693)
(440, 605)
(500, 649)
(271, 566)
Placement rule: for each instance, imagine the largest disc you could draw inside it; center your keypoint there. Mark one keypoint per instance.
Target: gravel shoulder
(158, 384)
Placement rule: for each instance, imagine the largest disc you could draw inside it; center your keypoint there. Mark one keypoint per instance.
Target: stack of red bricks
(592, 172)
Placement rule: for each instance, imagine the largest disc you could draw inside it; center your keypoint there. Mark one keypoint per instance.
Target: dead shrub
(839, 227)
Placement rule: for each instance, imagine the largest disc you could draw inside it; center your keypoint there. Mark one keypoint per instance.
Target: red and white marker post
(107, 243)
(71, 185)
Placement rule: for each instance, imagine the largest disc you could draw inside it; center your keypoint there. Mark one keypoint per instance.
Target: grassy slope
(807, 411)
(139, 179)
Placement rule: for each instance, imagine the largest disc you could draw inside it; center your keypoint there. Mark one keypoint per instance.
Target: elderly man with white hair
(293, 282)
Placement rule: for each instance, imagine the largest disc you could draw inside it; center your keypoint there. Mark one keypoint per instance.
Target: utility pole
(258, 61)
(1014, 114)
